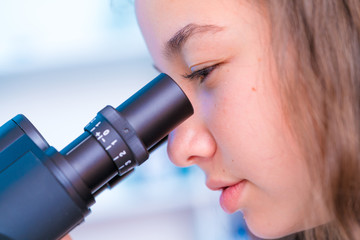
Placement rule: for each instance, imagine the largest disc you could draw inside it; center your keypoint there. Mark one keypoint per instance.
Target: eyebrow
(177, 41)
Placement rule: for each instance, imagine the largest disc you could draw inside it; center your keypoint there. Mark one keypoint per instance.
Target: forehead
(162, 18)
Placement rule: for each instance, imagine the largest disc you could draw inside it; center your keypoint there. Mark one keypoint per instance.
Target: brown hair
(317, 50)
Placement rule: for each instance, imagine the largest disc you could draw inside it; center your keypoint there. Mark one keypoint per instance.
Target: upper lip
(215, 185)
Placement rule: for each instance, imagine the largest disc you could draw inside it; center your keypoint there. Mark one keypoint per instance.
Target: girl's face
(219, 52)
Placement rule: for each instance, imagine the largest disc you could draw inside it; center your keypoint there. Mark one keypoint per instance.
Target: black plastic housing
(44, 193)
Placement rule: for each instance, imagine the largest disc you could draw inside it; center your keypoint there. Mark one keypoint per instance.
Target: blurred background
(61, 62)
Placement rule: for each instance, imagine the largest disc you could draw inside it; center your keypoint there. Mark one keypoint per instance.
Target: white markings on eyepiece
(123, 153)
(106, 132)
(128, 162)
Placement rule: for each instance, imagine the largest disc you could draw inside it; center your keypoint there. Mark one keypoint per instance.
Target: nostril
(176, 156)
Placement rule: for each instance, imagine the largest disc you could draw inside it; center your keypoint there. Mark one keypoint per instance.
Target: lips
(231, 195)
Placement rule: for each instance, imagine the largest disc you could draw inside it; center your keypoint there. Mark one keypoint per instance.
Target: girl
(275, 89)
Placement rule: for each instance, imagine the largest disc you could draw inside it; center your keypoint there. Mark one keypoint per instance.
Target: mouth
(220, 185)
(231, 196)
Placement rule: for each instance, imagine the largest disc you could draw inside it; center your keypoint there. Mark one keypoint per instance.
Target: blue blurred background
(62, 61)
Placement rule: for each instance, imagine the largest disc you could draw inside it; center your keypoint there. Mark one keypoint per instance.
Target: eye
(201, 74)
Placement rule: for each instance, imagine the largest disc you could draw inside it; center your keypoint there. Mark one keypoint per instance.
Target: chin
(268, 235)
(277, 228)
(271, 234)
(270, 230)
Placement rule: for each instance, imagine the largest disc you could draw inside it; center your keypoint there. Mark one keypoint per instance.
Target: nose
(191, 142)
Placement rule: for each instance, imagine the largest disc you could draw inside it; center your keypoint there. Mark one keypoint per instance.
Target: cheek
(243, 116)
(279, 208)
(254, 143)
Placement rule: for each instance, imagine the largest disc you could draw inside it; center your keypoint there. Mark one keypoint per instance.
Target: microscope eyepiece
(125, 134)
(155, 109)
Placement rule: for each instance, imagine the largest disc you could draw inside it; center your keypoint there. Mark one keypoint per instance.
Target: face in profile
(219, 52)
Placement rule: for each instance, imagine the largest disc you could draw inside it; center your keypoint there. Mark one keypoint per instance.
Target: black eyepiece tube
(155, 109)
(124, 135)
(44, 193)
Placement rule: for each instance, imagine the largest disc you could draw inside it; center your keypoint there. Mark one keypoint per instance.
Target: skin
(238, 134)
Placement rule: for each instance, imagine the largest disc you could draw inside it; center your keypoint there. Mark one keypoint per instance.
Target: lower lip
(230, 196)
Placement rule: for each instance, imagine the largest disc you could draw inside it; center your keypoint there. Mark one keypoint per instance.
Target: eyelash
(201, 74)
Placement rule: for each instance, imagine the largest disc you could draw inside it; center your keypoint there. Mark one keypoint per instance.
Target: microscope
(45, 193)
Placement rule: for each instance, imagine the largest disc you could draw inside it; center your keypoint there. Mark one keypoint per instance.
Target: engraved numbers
(121, 154)
(111, 140)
